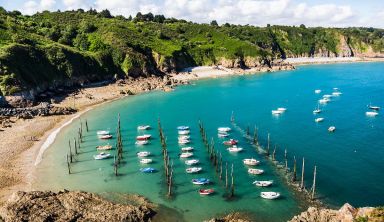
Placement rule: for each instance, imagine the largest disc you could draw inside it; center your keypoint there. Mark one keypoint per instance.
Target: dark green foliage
(214, 23)
(105, 14)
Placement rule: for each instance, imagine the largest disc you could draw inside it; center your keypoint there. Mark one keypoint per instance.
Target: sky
(327, 13)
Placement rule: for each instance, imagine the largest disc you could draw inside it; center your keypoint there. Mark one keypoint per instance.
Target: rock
(232, 217)
(69, 206)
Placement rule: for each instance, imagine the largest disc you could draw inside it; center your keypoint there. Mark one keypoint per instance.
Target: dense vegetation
(56, 48)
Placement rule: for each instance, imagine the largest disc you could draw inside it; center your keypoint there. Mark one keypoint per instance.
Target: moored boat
(206, 191)
(183, 132)
(105, 147)
(336, 93)
(148, 170)
(331, 129)
(193, 169)
(191, 162)
(222, 134)
(230, 142)
(102, 132)
(184, 141)
(102, 156)
(371, 113)
(282, 109)
(186, 155)
(318, 110)
(224, 129)
(144, 127)
(144, 137)
(200, 181)
(184, 137)
(324, 101)
(105, 137)
(276, 112)
(327, 96)
(183, 128)
(374, 107)
(235, 149)
(263, 183)
(317, 91)
(146, 161)
(186, 149)
(142, 142)
(255, 171)
(143, 154)
(270, 195)
(251, 162)
(320, 119)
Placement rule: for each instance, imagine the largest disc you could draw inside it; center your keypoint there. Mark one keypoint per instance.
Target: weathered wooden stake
(255, 136)
(274, 154)
(232, 184)
(302, 176)
(314, 183)
(294, 169)
(268, 145)
(248, 131)
(86, 125)
(68, 165)
(226, 175)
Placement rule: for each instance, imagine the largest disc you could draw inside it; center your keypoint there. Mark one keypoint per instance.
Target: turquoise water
(350, 160)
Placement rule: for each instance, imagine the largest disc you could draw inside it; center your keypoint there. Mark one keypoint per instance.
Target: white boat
(331, 129)
(184, 137)
(105, 147)
(101, 156)
(186, 155)
(184, 141)
(222, 134)
(282, 109)
(144, 137)
(263, 183)
(191, 162)
(251, 162)
(371, 113)
(317, 91)
(142, 142)
(270, 195)
(224, 129)
(276, 112)
(144, 127)
(143, 154)
(318, 110)
(255, 171)
(374, 107)
(317, 120)
(186, 149)
(102, 132)
(146, 161)
(105, 137)
(335, 88)
(183, 132)
(336, 93)
(327, 96)
(235, 149)
(183, 128)
(324, 101)
(193, 169)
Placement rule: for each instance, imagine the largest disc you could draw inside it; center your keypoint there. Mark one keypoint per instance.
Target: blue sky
(339, 13)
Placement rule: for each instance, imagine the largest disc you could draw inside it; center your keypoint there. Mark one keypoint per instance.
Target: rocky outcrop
(346, 213)
(69, 206)
(44, 109)
(232, 217)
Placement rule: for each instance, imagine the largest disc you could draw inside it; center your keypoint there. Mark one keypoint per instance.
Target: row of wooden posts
(255, 141)
(119, 147)
(217, 161)
(168, 164)
(76, 142)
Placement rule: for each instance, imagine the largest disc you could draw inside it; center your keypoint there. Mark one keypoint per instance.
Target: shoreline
(18, 171)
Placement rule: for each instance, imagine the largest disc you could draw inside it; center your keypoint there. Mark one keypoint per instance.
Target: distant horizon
(311, 13)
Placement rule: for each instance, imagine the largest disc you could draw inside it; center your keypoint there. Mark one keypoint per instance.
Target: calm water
(350, 160)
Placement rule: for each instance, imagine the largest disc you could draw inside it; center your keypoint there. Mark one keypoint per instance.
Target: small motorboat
(251, 162)
(144, 127)
(255, 171)
(317, 91)
(230, 142)
(191, 162)
(144, 137)
(183, 132)
(276, 112)
(193, 169)
(183, 128)
(206, 191)
(331, 129)
(146, 161)
(318, 110)
(317, 120)
(224, 129)
(371, 113)
(143, 154)
(327, 96)
(102, 156)
(222, 134)
(186, 149)
(148, 170)
(105, 147)
(282, 109)
(105, 137)
(270, 195)
(184, 141)
(184, 137)
(324, 101)
(102, 132)
(235, 149)
(200, 181)
(374, 107)
(335, 88)
(336, 93)
(263, 183)
(142, 142)
(186, 155)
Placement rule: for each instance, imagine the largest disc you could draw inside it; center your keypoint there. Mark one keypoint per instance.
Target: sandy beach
(21, 143)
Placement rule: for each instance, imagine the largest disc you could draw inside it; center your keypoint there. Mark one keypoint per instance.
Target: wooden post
(70, 154)
(115, 165)
(232, 117)
(232, 184)
(302, 176)
(226, 175)
(255, 136)
(314, 184)
(268, 145)
(68, 165)
(274, 154)
(294, 169)
(74, 140)
(86, 125)
(247, 131)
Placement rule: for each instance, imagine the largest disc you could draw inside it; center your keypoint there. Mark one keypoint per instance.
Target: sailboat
(318, 110)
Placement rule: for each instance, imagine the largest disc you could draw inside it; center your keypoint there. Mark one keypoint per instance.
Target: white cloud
(32, 6)
(75, 4)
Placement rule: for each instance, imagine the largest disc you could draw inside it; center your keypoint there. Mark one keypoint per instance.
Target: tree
(302, 26)
(105, 14)
(159, 18)
(81, 42)
(130, 18)
(214, 23)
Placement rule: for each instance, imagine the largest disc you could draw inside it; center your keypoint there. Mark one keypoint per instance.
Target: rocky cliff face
(346, 213)
(69, 206)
